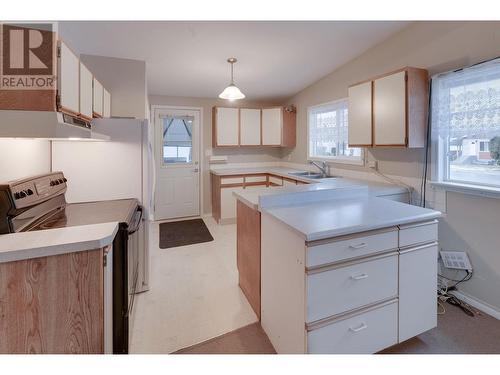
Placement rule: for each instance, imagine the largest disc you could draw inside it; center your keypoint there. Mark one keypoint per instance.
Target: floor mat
(185, 232)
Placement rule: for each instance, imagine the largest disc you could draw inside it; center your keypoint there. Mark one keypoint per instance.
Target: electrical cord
(467, 277)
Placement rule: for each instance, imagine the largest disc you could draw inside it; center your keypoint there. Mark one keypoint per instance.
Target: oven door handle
(137, 222)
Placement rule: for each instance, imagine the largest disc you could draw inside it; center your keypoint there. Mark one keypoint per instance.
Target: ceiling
(276, 59)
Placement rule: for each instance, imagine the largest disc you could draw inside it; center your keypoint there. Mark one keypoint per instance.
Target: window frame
(440, 165)
(341, 159)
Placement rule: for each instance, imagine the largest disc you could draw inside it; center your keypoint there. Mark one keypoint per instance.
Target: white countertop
(42, 243)
(337, 217)
(252, 197)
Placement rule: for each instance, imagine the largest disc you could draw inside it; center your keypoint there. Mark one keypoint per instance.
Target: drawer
(276, 180)
(335, 290)
(418, 233)
(365, 333)
(352, 247)
(255, 179)
(231, 180)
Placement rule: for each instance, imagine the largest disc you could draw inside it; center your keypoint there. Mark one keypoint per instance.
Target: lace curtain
(466, 103)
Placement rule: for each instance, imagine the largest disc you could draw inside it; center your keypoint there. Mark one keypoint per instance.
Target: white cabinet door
(228, 203)
(417, 290)
(389, 110)
(249, 127)
(106, 100)
(360, 115)
(227, 126)
(69, 77)
(85, 91)
(98, 97)
(272, 121)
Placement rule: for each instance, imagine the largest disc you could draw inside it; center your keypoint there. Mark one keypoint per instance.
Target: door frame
(154, 111)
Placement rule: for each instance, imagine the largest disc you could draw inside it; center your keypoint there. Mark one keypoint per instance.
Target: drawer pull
(360, 328)
(360, 277)
(359, 246)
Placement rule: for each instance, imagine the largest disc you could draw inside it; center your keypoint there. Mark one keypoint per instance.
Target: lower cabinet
(356, 294)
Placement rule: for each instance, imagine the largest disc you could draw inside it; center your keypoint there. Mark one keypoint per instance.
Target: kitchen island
(340, 272)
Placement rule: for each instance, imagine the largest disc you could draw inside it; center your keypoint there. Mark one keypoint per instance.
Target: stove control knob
(65, 179)
(29, 192)
(22, 194)
(17, 195)
(60, 181)
(52, 183)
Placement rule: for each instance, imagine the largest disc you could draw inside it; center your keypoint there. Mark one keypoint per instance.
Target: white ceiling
(275, 59)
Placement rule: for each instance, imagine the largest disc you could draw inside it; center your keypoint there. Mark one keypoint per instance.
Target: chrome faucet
(323, 167)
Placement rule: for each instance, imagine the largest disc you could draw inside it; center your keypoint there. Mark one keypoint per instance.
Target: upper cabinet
(86, 94)
(250, 127)
(68, 80)
(106, 103)
(390, 111)
(98, 97)
(253, 127)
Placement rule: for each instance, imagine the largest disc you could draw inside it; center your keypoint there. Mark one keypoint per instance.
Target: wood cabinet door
(106, 110)
(227, 126)
(417, 290)
(85, 91)
(249, 127)
(360, 115)
(98, 98)
(389, 110)
(68, 80)
(271, 126)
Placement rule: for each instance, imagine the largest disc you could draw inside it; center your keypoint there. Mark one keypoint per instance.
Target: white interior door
(177, 141)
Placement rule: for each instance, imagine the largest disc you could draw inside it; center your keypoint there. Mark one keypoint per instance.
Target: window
(177, 139)
(327, 134)
(466, 125)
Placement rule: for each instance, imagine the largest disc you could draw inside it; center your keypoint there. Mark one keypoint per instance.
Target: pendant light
(231, 92)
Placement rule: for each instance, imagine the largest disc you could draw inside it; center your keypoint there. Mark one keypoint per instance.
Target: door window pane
(178, 139)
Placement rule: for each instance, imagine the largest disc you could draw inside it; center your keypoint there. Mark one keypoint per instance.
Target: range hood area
(46, 125)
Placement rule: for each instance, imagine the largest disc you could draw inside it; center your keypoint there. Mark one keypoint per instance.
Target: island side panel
(248, 253)
(283, 286)
(53, 304)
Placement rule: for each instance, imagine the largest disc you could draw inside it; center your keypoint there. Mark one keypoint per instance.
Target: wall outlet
(456, 260)
(372, 164)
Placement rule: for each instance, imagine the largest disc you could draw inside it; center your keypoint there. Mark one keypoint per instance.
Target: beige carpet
(456, 333)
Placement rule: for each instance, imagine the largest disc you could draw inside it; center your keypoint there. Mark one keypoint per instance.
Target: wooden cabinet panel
(417, 290)
(360, 115)
(68, 80)
(248, 254)
(53, 304)
(226, 126)
(249, 127)
(389, 110)
(98, 93)
(85, 91)
(106, 99)
(271, 126)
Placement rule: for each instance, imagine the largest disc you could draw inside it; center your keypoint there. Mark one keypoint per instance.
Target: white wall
(22, 158)
(471, 222)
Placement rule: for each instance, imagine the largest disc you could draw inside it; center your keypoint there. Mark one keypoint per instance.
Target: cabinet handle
(360, 277)
(358, 246)
(360, 328)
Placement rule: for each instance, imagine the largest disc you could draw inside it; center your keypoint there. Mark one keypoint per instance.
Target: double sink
(312, 175)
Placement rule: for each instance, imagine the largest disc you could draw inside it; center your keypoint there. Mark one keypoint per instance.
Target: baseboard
(480, 305)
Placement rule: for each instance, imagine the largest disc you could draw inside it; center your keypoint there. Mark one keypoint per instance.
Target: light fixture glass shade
(231, 93)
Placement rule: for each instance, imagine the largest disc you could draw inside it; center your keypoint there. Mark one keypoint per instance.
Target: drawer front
(342, 289)
(276, 180)
(418, 233)
(255, 179)
(231, 180)
(325, 253)
(365, 333)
